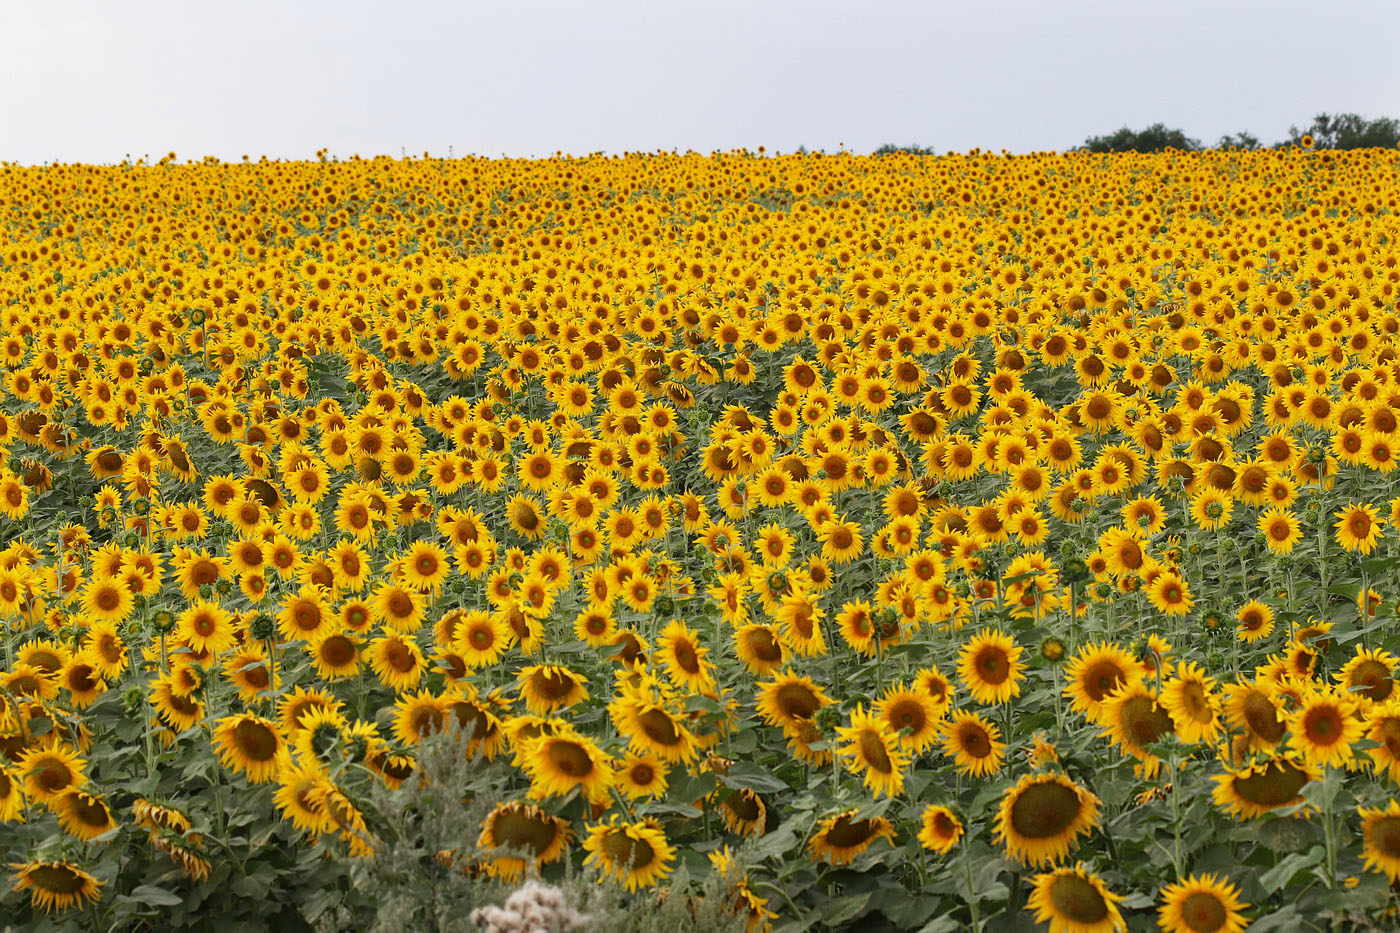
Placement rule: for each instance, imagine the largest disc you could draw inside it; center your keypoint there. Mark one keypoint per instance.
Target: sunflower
(1383, 728)
(83, 815)
(175, 709)
(1074, 900)
(974, 743)
(1380, 832)
(251, 745)
(523, 831)
(425, 567)
(1134, 718)
(206, 627)
(83, 681)
(106, 600)
(1201, 904)
(481, 639)
(636, 854)
(418, 716)
(790, 702)
(641, 776)
(1041, 817)
(913, 716)
(1369, 677)
(1324, 728)
(839, 839)
(50, 772)
(939, 829)
(873, 752)
(743, 812)
(1253, 710)
(989, 667)
(759, 648)
(551, 687)
(1270, 784)
(679, 650)
(1097, 670)
(1358, 527)
(397, 662)
(1256, 621)
(649, 727)
(1169, 594)
(335, 655)
(54, 885)
(1190, 699)
(12, 797)
(397, 608)
(298, 796)
(556, 764)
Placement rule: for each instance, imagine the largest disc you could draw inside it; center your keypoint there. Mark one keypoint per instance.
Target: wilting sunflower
(55, 885)
(636, 854)
(522, 831)
(82, 814)
(251, 745)
(743, 812)
(1325, 727)
(1074, 900)
(1189, 696)
(974, 743)
(989, 667)
(1270, 784)
(1380, 832)
(558, 763)
(1041, 817)
(839, 839)
(1201, 904)
(873, 752)
(1358, 527)
(1096, 672)
(790, 702)
(939, 829)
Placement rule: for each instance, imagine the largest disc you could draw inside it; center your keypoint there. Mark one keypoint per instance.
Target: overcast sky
(96, 80)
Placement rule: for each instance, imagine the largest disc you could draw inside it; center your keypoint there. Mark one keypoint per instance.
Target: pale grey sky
(95, 80)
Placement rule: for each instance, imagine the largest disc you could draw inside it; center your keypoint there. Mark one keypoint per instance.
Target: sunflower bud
(1052, 649)
(262, 627)
(163, 622)
(206, 592)
(133, 699)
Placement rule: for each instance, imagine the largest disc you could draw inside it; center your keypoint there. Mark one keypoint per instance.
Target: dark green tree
(891, 149)
(1347, 131)
(1154, 138)
(1242, 140)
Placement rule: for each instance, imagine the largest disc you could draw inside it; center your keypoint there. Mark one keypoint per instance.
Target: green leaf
(844, 909)
(750, 776)
(155, 897)
(1277, 878)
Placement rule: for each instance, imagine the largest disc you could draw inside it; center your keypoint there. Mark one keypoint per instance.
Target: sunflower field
(975, 542)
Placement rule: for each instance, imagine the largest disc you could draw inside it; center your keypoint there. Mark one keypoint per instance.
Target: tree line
(1327, 131)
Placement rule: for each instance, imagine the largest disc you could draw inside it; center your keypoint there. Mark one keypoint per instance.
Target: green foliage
(1154, 138)
(1348, 131)
(892, 149)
